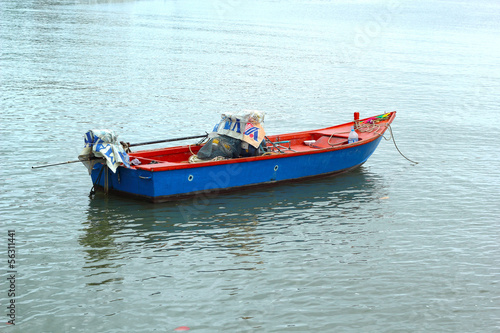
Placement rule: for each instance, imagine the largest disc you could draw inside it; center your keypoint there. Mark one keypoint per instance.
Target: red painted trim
(164, 166)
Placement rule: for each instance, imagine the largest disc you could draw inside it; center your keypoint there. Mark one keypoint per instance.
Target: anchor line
(395, 145)
(92, 190)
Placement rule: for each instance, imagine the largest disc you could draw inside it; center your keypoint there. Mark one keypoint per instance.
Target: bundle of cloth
(103, 145)
(236, 135)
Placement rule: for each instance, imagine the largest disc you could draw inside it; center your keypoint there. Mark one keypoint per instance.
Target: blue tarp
(103, 144)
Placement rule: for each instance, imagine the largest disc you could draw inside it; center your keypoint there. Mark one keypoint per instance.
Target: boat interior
(329, 138)
(278, 144)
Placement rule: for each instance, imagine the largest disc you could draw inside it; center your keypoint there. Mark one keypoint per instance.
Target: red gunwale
(179, 155)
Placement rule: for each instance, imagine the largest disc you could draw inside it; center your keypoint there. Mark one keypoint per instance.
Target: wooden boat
(166, 174)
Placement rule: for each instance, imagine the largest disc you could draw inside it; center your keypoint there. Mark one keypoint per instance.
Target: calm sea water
(389, 247)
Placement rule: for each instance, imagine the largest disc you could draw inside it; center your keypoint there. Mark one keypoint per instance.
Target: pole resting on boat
(53, 164)
(67, 162)
(126, 146)
(167, 140)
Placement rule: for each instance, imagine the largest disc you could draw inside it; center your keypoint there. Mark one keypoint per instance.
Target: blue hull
(158, 186)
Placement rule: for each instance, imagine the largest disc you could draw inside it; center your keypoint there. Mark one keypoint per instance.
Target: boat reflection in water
(241, 224)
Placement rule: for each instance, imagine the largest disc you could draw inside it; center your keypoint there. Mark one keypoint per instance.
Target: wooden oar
(128, 145)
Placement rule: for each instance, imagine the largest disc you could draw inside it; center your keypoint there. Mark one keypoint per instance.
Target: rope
(196, 159)
(363, 128)
(369, 128)
(331, 136)
(92, 190)
(191, 151)
(395, 145)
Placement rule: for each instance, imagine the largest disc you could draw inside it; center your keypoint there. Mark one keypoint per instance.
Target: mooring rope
(395, 145)
(92, 190)
(369, 128)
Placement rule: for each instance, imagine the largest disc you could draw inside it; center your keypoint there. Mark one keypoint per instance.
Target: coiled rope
(196, 159)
